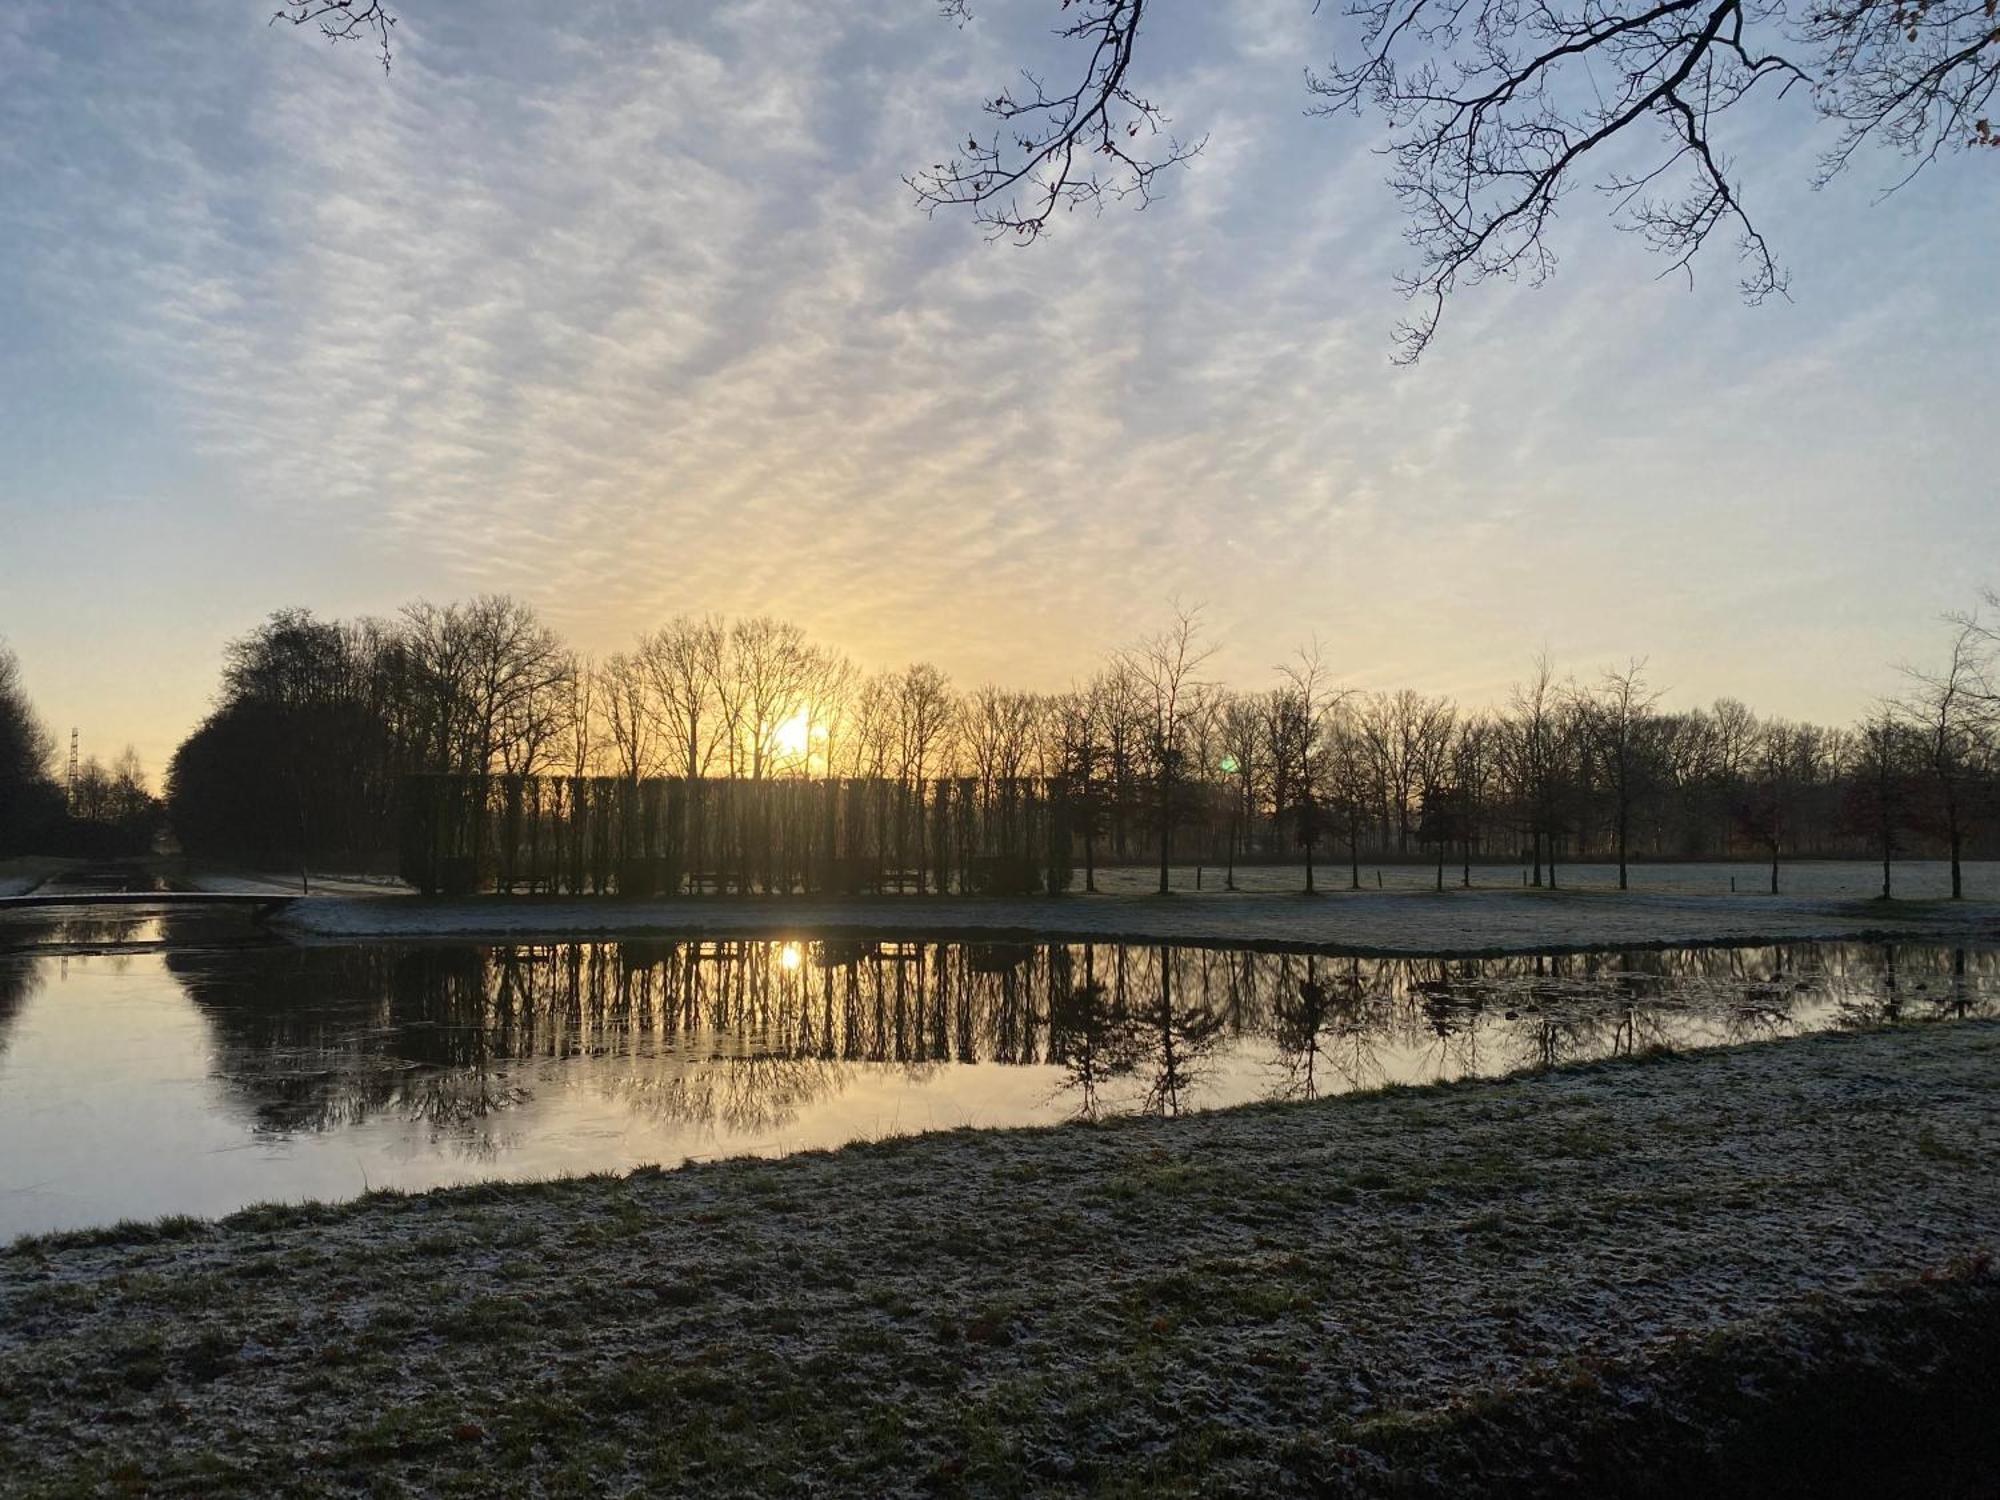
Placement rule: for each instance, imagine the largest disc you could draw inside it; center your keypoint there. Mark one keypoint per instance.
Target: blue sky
(624, 308)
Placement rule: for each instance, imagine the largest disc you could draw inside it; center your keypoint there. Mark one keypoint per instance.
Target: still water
(153, 1063)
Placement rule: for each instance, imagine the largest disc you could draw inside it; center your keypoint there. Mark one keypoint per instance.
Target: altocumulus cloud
(626, 309)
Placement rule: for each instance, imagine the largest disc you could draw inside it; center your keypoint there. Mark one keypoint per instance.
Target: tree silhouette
(1165, 666)
(31, 804)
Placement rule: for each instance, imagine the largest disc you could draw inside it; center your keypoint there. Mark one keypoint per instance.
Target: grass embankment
(1739, 1271)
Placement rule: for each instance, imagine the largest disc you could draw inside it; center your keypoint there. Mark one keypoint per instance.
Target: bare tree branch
(342, 21)
(1497, 108)
(1496, 104)
(1060, 149)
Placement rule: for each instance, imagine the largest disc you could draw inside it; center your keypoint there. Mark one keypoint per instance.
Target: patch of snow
(1384, 923)
(288, 884)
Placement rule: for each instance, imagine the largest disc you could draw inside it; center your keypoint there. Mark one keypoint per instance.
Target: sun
(794, 736)
(799, 738)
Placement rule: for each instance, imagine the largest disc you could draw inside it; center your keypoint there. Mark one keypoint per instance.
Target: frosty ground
(1369, 923)
(1748, 1269)
(23, 873)
(1852, 879)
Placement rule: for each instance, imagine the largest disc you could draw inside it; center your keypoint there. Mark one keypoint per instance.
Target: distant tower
(72, 770)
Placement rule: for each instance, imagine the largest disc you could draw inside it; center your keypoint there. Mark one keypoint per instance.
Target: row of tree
(319, 723)
(97, 811)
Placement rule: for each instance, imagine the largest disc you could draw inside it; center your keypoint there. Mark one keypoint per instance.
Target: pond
(155, 1063)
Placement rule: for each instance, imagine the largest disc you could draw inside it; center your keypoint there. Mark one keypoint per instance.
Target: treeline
(104, 811)
(320, 725)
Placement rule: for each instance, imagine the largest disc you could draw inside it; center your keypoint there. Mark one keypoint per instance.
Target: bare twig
(342, 21)
(1060, 149)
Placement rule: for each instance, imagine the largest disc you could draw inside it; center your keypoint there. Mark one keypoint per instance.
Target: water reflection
(745, 1034)
(288, 1071)
(19, 978)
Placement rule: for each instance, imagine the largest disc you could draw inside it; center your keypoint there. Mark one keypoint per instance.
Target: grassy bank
(1734, 1266)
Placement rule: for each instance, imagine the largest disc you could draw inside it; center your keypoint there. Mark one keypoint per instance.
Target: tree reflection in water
(745, 1036)
(20, 977)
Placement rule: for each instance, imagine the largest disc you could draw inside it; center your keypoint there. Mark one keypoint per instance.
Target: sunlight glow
(791, 956)
(794, 736)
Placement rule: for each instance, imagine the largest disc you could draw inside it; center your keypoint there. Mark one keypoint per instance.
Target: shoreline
(1327, 1295)
(1366, 924)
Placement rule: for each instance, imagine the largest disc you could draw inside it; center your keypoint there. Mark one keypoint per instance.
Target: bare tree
(1408, 735)
(1768, 802)
(998, 729)
(484, 669)
(1472, 756)
(925, 713)
(1118, 710)
(1880, 789)
(683, 664)
(1082, 763)
(534, 722)
(1535, 742)
(1617, 722)
(867, 749)
(581, 720)
(1242, 763)
(1301, 708)
(1165, 666)
(828, 710)
(29, 798)
(1353, 783)
(631, 713)
(773, 669)
(1947, 710)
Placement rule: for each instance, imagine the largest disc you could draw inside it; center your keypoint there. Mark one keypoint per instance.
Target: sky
(625, 309)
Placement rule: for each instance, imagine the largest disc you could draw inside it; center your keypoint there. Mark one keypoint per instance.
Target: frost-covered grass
(286, 883)
(1672, 1271)
(22, 873)
(1914, 879)
(1370, 923)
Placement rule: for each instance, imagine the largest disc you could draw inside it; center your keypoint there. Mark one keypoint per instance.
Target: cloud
(628, 311)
